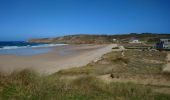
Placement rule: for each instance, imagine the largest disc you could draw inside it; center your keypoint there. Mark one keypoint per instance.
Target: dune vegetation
(136, 76)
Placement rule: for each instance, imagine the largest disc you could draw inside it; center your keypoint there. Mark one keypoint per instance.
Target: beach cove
(60, 57)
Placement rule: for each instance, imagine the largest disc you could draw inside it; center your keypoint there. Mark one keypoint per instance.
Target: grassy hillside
(99, 39)
(112, 78)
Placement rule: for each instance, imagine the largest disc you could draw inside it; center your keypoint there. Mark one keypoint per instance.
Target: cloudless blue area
(24, 19)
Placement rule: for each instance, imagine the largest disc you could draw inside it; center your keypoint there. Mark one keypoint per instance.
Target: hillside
(77, 39)
(100, 39)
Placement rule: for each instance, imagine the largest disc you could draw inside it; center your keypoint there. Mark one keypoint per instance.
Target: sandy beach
(61, 57)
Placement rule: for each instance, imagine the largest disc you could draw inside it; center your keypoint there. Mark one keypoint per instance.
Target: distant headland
(101, 39)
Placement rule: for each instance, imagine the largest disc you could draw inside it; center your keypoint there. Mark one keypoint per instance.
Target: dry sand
(167, 66)
(60, 58)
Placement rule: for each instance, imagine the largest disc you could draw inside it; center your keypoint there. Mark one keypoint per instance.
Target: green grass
(27, 85)
(78, 70)
(115, 48)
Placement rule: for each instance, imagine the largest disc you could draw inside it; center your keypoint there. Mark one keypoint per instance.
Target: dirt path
(167, 66)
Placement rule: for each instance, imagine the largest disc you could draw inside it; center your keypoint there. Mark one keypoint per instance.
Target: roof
(165, 39)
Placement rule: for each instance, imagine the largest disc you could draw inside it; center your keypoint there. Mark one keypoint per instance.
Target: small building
(114, 40)
(134, 40)
(163, 44)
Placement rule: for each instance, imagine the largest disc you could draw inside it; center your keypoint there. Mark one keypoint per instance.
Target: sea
(23, 48)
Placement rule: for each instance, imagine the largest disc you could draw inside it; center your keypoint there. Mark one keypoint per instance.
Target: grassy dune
(27, 84)
(84, 83)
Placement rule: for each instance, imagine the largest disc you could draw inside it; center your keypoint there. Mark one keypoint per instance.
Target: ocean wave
(29, 46)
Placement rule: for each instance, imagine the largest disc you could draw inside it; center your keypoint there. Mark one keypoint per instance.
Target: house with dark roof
(163, 44)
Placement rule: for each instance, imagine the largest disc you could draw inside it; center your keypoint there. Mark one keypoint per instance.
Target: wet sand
(61, 57)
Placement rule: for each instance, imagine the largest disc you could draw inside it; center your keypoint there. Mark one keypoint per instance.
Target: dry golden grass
(26, 85)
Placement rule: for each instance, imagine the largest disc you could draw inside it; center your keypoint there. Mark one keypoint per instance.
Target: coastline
(61, 57)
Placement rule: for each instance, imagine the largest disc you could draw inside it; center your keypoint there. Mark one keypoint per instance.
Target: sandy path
(167, 66)
(60, 58)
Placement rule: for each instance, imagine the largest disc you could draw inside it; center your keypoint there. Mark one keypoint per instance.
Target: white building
(114, 40)
(134, 40)
(163, 44)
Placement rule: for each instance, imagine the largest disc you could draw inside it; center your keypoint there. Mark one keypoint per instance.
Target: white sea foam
(29, 46)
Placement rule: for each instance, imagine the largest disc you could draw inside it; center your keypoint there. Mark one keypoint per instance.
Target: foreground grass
(28, 85)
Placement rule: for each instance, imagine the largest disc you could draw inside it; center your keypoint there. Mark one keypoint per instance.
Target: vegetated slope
(101, 39)
(78, 39)
(84, 83)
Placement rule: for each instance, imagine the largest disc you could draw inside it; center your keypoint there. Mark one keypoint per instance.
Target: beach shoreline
(61, 57)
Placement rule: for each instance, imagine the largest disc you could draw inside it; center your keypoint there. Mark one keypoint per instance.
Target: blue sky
(24, 19)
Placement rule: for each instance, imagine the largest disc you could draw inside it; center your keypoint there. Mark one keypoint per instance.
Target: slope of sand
(59, 58)
(167, 66)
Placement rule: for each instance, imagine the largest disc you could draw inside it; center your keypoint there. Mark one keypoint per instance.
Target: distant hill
(101, 39)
